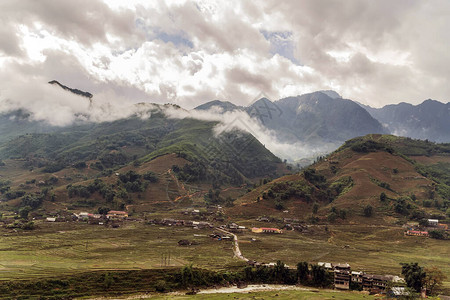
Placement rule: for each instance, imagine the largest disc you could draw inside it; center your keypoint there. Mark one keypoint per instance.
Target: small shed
(433, 222)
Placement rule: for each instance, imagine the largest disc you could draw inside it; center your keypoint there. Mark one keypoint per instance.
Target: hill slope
(412, 174)
(184, 158)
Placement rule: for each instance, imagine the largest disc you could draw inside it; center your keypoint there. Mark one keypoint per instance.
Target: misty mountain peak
(331, 94)
(224, 105)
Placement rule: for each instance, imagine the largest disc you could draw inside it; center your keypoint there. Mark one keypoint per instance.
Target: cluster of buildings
(187, 223)
(432, 224)
(112, 215)
(344, 276)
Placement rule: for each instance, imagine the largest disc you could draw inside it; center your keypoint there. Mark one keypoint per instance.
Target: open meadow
(56, 249)
(281, 295)
(68, 248)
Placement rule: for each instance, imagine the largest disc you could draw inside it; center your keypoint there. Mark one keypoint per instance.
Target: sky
(190, 52)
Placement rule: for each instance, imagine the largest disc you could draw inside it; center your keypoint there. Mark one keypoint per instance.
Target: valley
(224, 150)
(157, 193)
(321, 211)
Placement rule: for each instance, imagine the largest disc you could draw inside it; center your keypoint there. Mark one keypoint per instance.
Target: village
(344, 278)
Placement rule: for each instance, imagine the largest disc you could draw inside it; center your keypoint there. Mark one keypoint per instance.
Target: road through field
(236, 250)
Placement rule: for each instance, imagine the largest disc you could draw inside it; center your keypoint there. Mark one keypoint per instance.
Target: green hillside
(75, 168)
(370, 179)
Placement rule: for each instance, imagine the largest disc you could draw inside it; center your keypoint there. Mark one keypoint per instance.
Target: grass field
(57, 249)
(288, 295)
(373, 249)
(62, 249)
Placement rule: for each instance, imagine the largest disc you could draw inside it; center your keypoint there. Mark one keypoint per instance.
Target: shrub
(437, 234)
(368, 210)
(161, 286)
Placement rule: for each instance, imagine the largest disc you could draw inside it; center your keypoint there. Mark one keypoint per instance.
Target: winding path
(236, 250)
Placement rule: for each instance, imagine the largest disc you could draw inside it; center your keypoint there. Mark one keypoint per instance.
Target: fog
(57, 107)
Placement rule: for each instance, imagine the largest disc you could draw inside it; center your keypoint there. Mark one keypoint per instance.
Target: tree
(103, 210)
(414, 275)
(24, 211)
(368, 210)
(433, 279)
(319, 276)
(383, 196)
(437, 234)
(108, 280)
(280, 272)
(302, 271)
(315, 208)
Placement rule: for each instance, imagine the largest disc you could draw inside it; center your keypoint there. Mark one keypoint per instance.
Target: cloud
(87, 21)
(185, 52)
(239, 120)
(57, 107)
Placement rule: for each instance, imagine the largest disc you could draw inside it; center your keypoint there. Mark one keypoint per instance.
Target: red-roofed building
(417, 233)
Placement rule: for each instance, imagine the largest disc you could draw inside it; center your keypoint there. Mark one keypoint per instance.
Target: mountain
(224, 105)
(331, 94)
(428, 120)
(315, 118)
(412, 174)
(18, 122)
(75, 91)
(127, 140)
(149, 164)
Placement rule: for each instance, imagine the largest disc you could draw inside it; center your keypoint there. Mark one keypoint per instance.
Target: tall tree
(433, 279)
(414, 275)
(302, 271)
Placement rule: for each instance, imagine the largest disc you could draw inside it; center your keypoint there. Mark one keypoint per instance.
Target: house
(233, 226)
(83, 216)
(266, 230)
(49, 219)
(342, 279)
(433, 222)
(357, 277)
(117, 215)
(399, 292)
(416, 233)
(172, 222)
(342, 276)
(376, 283)
(442, 226)
(327, 266)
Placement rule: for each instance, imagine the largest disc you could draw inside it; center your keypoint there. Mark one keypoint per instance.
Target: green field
(373, 249)
(288, 295)
(68, 248)
(59, 249)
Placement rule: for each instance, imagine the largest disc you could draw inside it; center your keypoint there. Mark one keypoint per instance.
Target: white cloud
(190, 52)
(375, 52)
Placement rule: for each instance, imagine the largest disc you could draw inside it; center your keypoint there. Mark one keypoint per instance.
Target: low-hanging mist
(56, 107)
